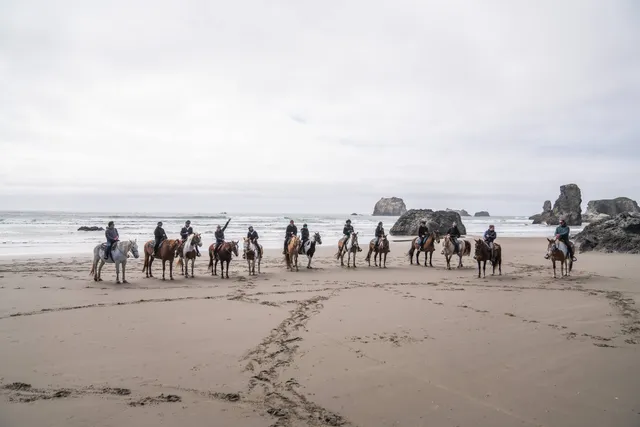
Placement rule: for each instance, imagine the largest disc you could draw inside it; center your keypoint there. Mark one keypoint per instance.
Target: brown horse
(428, 247)
(167, 253)
(350, 246)
(464, 249)
(382, 248)
(187, 250)
(222, 255)
(557, 251)
(291, 257)
(483, 254)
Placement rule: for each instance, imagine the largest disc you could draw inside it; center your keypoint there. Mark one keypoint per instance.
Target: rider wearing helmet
(562, 234)
(185, 232)
(111, 233)
(160, 237)
(379, 233)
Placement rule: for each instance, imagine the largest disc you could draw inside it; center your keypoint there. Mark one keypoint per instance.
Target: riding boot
(197, 251)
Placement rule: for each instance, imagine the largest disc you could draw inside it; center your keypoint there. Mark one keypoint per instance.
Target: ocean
(55, 233)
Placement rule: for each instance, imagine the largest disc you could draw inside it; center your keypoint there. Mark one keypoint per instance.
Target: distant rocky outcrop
(461, 212)
(391, 206)
(618, 234)
(481, 213)
(354, 214)
(598, 210)
(440, 221)
(84, 228)
(568, 206)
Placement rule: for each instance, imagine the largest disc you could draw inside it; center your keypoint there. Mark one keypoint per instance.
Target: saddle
(103, 246)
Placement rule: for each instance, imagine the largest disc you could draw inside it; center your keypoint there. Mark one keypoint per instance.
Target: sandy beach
(405, 346)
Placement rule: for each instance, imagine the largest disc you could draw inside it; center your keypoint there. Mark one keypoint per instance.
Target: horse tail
(93, 268)
(146, 262)
(210, 267)
(179, 262)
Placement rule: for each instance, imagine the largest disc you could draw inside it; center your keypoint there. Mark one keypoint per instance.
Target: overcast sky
(316, 106)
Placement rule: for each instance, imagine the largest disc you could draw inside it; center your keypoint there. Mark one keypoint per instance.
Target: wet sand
(402, 346)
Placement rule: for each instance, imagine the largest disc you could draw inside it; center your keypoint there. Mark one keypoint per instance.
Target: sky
(308, 106)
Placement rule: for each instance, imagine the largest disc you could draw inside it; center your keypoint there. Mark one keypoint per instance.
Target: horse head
(197, 239)
(317, 238)
(552, 246)
(480, 246)
(234, 246)
(436, 236)
(133, 247)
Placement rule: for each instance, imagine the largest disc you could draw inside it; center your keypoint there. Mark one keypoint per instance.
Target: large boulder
(618, 234)
(598, 210)
(568, 206)
(481, 213)
(389, 206)
(440, 221)
(462, 212)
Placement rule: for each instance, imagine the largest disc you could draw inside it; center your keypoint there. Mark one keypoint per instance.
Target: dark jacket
(304, 233)
(490, 236)
(379, 231)
(185, 232)
(159, 233)
(423, 231)
(220, 233)
(454, 232)
(111, 234)
(291, 229)
(347, 230)
(252, 235)
(563, 232)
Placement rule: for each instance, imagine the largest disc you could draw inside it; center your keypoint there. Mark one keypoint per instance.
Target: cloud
(491, 105)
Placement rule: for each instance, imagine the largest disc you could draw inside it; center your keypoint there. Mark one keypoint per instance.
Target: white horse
(309, 247)
(188, 252)
(118, 256)
(253, 253)
(449, 249)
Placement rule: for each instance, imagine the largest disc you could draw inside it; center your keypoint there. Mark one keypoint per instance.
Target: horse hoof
(99, 279)
(125, 282)
(118, 282)
(170, 278)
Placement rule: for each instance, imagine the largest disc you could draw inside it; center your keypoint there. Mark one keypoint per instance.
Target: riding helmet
(251, 228)
(110, 223)
(304, 225)
(159, 223)
(188, 222)
(348, 221)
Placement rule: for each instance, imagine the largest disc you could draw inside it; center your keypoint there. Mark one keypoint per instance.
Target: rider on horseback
(304, 235)
(111, 233)
(252, 235)
(160, 237)
(454, 234)
(185, 232)
(219, 234)
(379, 233)
(562, 234)
(489, 236)
(423, 232)
(292, 230)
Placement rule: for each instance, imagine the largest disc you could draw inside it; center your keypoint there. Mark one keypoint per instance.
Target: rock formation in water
(568, 206)
(598, 210)
(392, 206)
(462, 212)
(618, 234)
(94, 228)
(440, 221)
(481, 213)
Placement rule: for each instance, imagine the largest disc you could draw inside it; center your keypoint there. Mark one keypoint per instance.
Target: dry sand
(405, 346)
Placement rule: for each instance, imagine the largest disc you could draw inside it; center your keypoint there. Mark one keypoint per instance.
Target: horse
(253, 253)
(291, 257)
(188, 252)
(558, 251)
(382, 248)
(167, 253)
(428, 247)
(483, 254)
(222, 255)
(464, 249)
(118, 256)
(349, 246)
(309, 248)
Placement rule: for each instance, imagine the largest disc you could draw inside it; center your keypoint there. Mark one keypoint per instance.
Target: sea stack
(391, 206)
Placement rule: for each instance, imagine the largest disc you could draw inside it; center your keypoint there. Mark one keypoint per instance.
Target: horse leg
(163, 269)
(124, 266)
(554, 268)
(100, 270)
(228, 268)
(484, 268)
(170, 269)
(430, 258)
(151, 259)
(117, 264)
(478, 269)
(354, 259)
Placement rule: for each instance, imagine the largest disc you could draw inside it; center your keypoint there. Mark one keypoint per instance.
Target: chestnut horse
(558, 251)
(291, 257)
(188, 251)
(167, 253)
(382, 248)
(464, 249)
(428, 247)
(483, 254)
(350, 246)
(222, 255)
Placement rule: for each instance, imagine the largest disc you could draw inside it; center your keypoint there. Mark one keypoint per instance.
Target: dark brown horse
(381, 249)
(428, 247)
(222, 255)
(483, 254)
(167, 253)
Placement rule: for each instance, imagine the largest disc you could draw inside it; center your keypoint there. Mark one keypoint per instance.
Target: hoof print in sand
(156, 400)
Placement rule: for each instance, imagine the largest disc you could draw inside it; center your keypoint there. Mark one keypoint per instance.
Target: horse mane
(189, 239)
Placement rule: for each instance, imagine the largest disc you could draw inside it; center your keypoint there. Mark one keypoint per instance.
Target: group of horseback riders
(111, 234)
